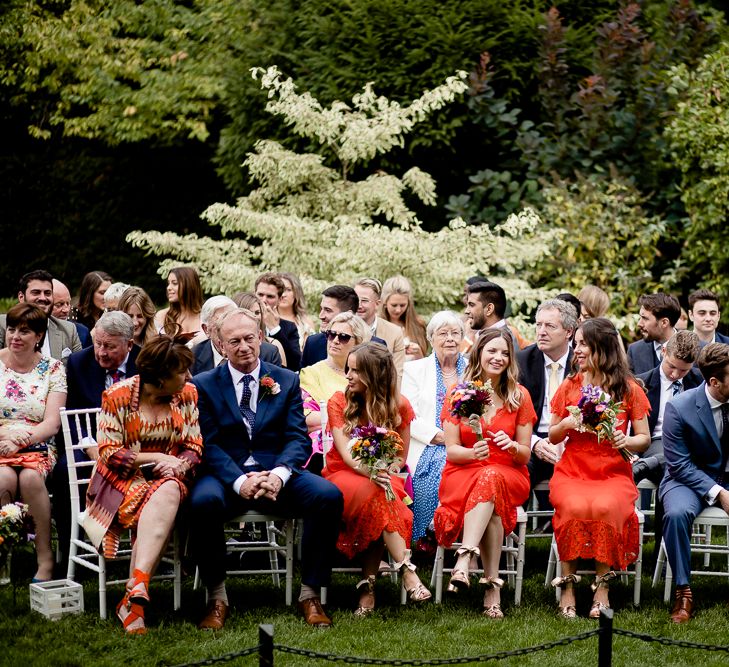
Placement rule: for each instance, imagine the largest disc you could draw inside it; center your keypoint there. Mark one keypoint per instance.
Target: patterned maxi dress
(118, 491)
(367, 513)
(592, 489)
(497, 478)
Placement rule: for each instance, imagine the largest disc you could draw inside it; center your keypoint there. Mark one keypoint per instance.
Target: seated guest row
(255, 443)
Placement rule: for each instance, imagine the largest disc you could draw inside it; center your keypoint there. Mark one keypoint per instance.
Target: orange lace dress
(498, 478)
(367, 513)
(592, 489)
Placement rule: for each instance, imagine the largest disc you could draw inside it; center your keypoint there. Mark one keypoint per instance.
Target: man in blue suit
(696, 447)
(657, 322)
(252, 422)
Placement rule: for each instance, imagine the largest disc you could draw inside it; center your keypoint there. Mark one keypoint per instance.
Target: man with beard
(486, 308)
(658, 316)
(61, 338)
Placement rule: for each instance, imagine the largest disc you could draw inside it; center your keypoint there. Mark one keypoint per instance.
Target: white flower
(11, 512)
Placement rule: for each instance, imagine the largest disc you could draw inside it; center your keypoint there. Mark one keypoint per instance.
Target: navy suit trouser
(681, 505)
(305, 496)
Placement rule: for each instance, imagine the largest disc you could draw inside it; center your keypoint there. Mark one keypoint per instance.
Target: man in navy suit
(674, 375)
(542, 367)
(89, 372)
(658, 316)
(696, 447)
(252, 422)
(269, 289)
(334, 300)
(704, 312)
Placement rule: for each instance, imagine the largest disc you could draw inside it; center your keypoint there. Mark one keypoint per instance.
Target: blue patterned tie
(245, 402)
(676, 387)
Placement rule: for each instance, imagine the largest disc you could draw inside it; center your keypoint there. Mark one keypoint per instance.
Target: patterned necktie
(553, 379)
(116, 376)
(676, 387)
(245, 402)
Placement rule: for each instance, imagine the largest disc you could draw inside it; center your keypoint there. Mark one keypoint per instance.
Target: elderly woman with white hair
(425, 383)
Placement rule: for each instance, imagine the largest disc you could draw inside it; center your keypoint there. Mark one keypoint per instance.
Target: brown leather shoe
(683, 608)
(314, 614)
(215, 616)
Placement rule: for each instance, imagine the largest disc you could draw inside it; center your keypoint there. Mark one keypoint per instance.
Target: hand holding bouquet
(379, 449)
(469, 400)
(596, 412)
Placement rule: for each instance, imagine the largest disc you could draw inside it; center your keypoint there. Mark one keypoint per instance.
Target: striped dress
(118, 491)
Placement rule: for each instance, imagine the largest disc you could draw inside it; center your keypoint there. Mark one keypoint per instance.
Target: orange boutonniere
(269, 387)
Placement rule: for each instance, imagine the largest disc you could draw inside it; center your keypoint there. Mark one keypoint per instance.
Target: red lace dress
(592, 489)
(367, 513)
(498, 478)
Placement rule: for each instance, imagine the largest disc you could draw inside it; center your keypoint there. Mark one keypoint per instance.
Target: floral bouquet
(596, 412)
(470, 400)
(379, 449)
(16, 528)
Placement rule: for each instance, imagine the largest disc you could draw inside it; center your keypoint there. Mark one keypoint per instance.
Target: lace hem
(599, 540)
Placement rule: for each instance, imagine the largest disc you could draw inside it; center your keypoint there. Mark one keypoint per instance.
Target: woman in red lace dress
(371, 397)
(592, 489)
(484, 480)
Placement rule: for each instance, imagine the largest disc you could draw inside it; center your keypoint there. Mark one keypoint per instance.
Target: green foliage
(313, 219)
(605, 238)
(699, 137)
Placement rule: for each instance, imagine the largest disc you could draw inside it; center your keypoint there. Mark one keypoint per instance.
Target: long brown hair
(136, 296)
(507, 387)
(380, 402)
(608, 360)
(189, 297)
(88, 313)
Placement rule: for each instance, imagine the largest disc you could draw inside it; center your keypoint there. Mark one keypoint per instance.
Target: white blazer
(419, 386)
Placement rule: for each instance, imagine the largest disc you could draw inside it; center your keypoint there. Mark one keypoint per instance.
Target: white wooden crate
(53, 599)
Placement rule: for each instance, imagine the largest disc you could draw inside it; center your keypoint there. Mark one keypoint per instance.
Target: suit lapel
(227, 390)
(55, 340)
(264, 400)
(707, 419)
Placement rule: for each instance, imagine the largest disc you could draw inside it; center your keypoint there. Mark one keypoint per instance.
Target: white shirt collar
(238, 375)
(562, 361)
(713, 403)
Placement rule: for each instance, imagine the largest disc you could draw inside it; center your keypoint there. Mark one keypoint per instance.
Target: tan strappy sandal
(567, 583)
(459, 577)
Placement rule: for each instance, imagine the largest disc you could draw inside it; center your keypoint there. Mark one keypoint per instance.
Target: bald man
(62, 309)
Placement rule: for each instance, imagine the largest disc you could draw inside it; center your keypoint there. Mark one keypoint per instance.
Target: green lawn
(449, 630)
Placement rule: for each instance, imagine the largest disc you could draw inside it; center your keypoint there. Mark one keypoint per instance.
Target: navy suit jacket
(86, 379)
(203, 352)
(531, 374)
(279, 434)
(288, 336)
(652, 381)
(315, 349)
(721, 338)
(691, 444)
(84, 335)
(642, 357)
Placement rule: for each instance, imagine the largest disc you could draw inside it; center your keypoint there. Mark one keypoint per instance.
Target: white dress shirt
(716, 414)
(282, 472)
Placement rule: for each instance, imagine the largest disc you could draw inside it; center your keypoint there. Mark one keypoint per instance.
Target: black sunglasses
(343, 337)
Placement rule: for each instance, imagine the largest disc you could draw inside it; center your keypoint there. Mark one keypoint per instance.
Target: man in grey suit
(696, 447)
(62, 338)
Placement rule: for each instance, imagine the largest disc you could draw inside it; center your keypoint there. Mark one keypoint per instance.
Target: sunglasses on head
(343, 337)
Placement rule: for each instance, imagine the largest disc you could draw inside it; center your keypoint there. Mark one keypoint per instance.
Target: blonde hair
(594, 300)
(380, 402)
(413, 325)
(507, 387)
(360, 330)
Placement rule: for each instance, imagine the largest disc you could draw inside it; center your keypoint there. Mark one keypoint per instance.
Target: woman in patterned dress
(486, 478)
(32, 391)
(369, 517)
(149, 446)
